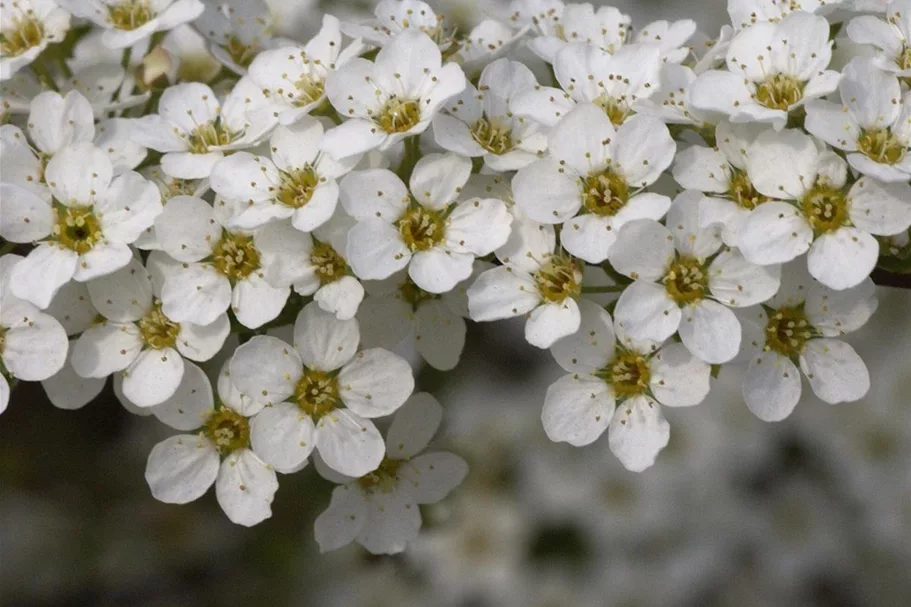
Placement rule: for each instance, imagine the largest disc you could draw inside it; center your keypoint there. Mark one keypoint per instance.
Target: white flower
(181, 469)
(220, 267)
(478, 121)
(126, 22)
(890, 37)
(796, 328)
(558, 25)
(16, 94)
(298, 182)
(669, 36)
(873, 125)
(619, 384)
(169, 187)
(425, 230)
(294, 77)
(821, 215)
(683, 283)
(774, 68)
(486, 42)
(393, 17)
(238, 30)
(397, 310)
(67, 390)
(194, 130)
(722, 174)
(391, 98)
(671, 103)
(598, 173)
(85, 227)
(380, 510)
(28, 27)
(33, 345)
(745, 13)
(589, 75)
(138, 339)
(314, 264)
(319, 394)
(533, 281)
(189, 57)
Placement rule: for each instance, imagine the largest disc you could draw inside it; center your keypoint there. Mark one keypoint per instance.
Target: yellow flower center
(297, 186)
(825, 207)
(788, 331)
(615, 109)
(628, 373)
(495, 138)
(904, 59)
(330, 266)
(421, 229)
(742, 192)
(383, 479)
(157, 330)
(311, 89)
(558, 279)
(604, 193)
(228, 429)
(687, 280)
(25, 32)
(208, 135)
(399, 116)
(779, 92)
(881, 146)
(240, 53)
(235, 256)
(316, 393)
(2, 339)
(129, 14)
(77, 228)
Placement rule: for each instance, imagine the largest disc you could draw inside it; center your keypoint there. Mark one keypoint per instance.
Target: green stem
(43, 74)
(604, 289)
(125, 58)
(7, 248)
(411, 157)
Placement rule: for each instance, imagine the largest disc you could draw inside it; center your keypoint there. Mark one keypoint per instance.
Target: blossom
(426, 230)
(238, 30)
(380, 509)
(33, 344)
(671, 103)
(294, 77)
(618, 384)
(487, 41)
(393, 17)
(684, 282)
(746, 13)
(126, 22)
(28, 27)
(181, 469)
(605, 27)
(587, 74)
(193, 130)
(391, 98)
(320, 394)
(135, 337)
(219, 266)
(816, 212)
(773, 69)
(297, 182)
(797, 328)
(592, 178)
(873, 125)
(890, 37)
(479, 123)
(85, 227)
(534, 280)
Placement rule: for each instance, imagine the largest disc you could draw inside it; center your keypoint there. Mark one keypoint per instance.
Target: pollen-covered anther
(421, 228)
(687, 280)
(129, 14)
(494, 137)
(558, 279)
(779, 91)
(881, 145)
(77, 228)
(788, 331)
(20, 34)
(329, 265)
(228, 430)
(157, 330)
(398, 115)
(604, 193)
(297, 186)
(236, 256)
(316, 393)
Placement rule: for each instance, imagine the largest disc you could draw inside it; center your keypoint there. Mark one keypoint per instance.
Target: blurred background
(815, 510)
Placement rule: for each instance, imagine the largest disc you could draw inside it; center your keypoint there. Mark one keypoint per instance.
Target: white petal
(341, 297)
(323, 341)
(771, 388)
(348, 443)
(592, 346)
(413, 426)
(39, 276)
(203, 342)
(638, 433)
(502, 293)
(103, 259)
(181, 469)
(354, 136)
(439, 334)
(643, 149)
(644, 250)
(701, 168)
(187, 408)
(385, 321)
(76, 172)
(342, 521)
(589, 236)
(437, 179)
(128, 208)
(833, 124)
(284, 254)
(56, 121)
(232, 397)
(153, 377)
(880, 208)
(577, 409)
(782, 164)
(376, 250)
(583, 140)
(66, 390)
(186, 229)
(106, 348)
(545, 193)
(646, 311)
(196, 293)
(245, 488)
(438, 271)
(551, 322)
(691, 236)
(24, 216)
(843, 259)
(836, 313)
(478, 226)
(836, 373)
(35, 345)
(431, 477)
(375, 383)
(775, 232)
(870, 93)
(678, 379)
(123, 296)
(255, 302)
(393, 521)
(710, 331)
(266, 369)
(283, 436)
(737, 283)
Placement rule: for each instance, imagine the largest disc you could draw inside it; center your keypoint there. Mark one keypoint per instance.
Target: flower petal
(836, 373)
(348, 443)
(771, 388)
(638, 433)
(182, 468)
(375, 383)
(245, 488)
(577, 409)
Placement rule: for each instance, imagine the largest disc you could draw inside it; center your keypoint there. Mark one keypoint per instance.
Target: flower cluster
(183, 186)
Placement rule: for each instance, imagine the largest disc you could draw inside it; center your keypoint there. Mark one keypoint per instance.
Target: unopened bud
(157, 71)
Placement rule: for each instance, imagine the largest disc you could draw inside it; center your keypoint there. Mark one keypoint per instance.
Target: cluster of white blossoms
(183, 185)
